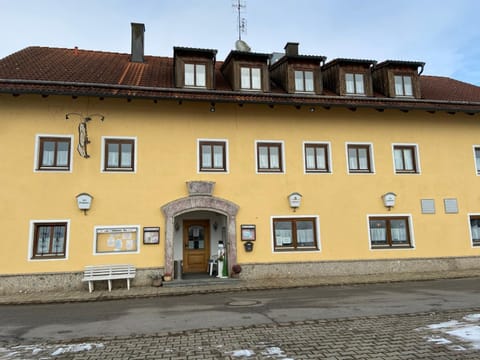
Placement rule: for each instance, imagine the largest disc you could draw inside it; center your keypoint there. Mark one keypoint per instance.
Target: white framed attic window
(354, 84)
(195, 75)
(304, 81)
(250, 78)
(403, 85)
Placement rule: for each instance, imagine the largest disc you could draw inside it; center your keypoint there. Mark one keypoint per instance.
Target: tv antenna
(240, 5)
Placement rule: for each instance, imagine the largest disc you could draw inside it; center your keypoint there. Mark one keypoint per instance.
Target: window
(195, 75)
(304, 81)
(389, 232)
(476, 150)
(354, 84)
(269, 157)
(359, 158)
(250, 78)
(295, 234)
(119, 155)
(316, 158)
(403, 85)
(212, 156)
(405, 159)
(54, 153)
(475, 229)
(49, 240)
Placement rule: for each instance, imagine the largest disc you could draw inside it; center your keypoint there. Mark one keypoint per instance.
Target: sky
(445, 34)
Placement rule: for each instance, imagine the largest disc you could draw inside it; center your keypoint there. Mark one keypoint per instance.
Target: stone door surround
(200, 198)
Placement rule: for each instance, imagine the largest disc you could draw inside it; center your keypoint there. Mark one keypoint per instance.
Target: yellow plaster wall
(166, 136)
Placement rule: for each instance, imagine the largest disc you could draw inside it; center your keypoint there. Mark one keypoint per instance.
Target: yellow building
(298, 166)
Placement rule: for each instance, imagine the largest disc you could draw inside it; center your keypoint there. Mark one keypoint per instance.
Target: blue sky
(445, 34)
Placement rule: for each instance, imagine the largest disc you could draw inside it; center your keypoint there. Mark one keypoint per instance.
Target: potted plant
(167, 276)
(156, 279)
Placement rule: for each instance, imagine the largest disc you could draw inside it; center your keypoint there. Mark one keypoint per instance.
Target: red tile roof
(75, 72)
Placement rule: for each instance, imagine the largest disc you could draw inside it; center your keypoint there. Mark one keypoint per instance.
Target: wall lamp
(389, 200)
(295, 199)
(84, 202)
(212, 107)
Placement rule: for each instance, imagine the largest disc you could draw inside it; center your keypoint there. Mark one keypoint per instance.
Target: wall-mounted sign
(248, 232)
(151, 235)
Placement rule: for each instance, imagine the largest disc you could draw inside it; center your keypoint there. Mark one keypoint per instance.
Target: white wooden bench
(108, 272)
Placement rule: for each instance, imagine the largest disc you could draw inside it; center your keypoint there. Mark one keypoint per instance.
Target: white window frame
(304, 82)
(32, 239)
(283, 164)
(477, 168)
(227, 164)
(355, 92)
(195, 75)
(469, 215)
(135, 155)
(329, 157)
(110, 253)
(411, 233)
(250, 68)
(36, 157)
(403, 76)
(417, 159)
(371, 154)
(272, 235)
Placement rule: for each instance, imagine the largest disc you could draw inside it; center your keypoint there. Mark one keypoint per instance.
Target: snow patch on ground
(45, 351)
(242, 353)
(272, 352)
(456, 335)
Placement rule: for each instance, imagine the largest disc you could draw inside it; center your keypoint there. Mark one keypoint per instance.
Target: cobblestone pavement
(441, 336)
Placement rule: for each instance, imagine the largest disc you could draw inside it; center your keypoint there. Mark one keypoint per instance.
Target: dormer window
(354, 84)
(250, 78)
(194, 68)
(304, 81)
(403, 85)
(349, 77)
(195, 75)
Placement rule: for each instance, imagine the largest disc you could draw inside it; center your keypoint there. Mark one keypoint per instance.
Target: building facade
(297, 166)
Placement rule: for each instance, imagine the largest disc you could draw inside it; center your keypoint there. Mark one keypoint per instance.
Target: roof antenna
(241, 45)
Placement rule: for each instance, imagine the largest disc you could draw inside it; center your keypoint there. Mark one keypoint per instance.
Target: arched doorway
(200, 199)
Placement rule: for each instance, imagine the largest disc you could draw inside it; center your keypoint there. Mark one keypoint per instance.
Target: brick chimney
(138, 31)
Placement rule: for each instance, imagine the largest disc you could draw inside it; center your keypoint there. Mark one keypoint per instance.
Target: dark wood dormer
(298, 73)
(247, 71)
(399, 79)
(348, 77)
(194, 68)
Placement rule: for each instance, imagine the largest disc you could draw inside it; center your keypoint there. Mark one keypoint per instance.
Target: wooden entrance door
(196, 245)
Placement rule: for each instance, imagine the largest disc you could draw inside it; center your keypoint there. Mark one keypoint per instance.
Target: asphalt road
(74, 321)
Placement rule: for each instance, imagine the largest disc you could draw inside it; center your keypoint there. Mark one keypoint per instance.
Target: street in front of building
(410, 320)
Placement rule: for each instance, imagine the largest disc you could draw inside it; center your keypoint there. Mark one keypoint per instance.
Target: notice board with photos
(116, 239)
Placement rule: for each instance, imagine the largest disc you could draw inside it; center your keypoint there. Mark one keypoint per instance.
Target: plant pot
(167, 277)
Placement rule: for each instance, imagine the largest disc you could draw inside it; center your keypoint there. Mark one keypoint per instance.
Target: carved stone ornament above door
(200, 188)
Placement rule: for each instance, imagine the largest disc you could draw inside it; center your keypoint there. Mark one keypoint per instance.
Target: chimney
(291, 49)
(137, 42)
